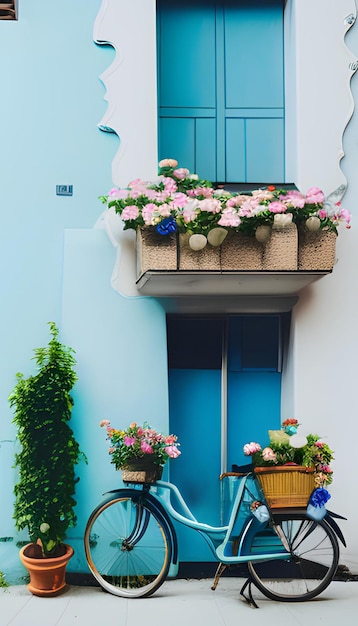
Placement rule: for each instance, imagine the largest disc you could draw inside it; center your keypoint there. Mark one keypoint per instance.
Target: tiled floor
(176, 603)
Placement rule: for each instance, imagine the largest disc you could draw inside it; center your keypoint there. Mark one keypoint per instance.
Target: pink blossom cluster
(251, 448)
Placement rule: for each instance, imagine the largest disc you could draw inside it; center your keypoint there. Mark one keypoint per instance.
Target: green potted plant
(44, 493)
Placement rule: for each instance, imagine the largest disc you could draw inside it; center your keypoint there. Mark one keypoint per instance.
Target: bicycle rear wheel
(311, 564)
(128, 546)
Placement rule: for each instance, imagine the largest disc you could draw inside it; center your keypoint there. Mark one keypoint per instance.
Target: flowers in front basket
(286, 447)
(139, 442)
(178, 200)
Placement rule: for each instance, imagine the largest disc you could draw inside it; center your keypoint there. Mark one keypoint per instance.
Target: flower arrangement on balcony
(179, 201)
(287, 448)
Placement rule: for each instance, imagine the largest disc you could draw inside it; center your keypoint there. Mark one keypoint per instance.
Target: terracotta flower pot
(47, 576)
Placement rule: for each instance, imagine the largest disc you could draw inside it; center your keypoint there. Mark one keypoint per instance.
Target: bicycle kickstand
(219, 570)
(249, 599)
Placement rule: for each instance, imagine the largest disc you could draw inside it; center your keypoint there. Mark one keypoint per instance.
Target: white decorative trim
(319, 102)
(130, 83)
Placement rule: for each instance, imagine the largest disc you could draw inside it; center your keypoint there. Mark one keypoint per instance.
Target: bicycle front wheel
(128, 546)
(311, 565)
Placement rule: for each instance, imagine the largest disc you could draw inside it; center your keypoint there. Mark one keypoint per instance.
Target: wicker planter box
(141, 471)
(155, 252)
(286, 485)
(281, 250)
(241, 252)
(317, 250)
(206, 259)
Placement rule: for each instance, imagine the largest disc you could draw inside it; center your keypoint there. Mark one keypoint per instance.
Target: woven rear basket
(155, 252)
(206, 259)
(241, 252)
(286, 485)
(281, 250)
(317, 251)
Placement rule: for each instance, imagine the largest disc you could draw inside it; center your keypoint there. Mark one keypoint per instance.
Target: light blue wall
(55, 266)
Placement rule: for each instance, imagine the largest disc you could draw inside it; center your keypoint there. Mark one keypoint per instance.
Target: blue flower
(319, 497)
(167, 226)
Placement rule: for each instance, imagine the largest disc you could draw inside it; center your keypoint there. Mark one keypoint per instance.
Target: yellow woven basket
(286, 485)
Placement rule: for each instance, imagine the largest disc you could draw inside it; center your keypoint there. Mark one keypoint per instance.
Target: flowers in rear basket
(139, 442)
(286, 447)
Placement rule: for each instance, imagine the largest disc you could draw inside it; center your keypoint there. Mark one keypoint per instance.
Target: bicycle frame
(230, 543)
(131, 542)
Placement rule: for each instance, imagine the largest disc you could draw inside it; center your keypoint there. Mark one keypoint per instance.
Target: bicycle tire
(311, 566)
(128, 545)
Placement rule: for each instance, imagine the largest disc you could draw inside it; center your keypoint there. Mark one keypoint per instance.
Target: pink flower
(118, 194)
(139, 190)
(210, 205)
(181, 173)
(190, 211)
(268, 454)
(172, 451)
(294, 198)
(251, 448)
(170, 185)
(130, 212)
(314, 195)
(170, 439)
(229, 217)
(262, 194)
(164, 210)
(168, 163)
(128, 441)
(179, 200)
(277, 207)
(146, 448)
(248, 208)
(344, 215)
(148, 212)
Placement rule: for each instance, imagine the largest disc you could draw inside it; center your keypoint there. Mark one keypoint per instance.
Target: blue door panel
(265, 150)
(222, 59)
(194, 409)
(254, 54)
(195, 412)
(187, 59)
(177, 139)
(254, 400)
(205, 141)
(235, 151)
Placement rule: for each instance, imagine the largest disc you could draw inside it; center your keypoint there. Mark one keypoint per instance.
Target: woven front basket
(141, 471)
(286, 485)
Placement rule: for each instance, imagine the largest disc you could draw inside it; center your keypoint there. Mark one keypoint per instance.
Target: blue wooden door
(221, 89)
(224, 390)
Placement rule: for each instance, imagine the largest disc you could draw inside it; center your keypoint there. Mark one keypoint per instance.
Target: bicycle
(131, 544)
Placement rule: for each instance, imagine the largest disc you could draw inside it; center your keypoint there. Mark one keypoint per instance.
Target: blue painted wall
(55, 266)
